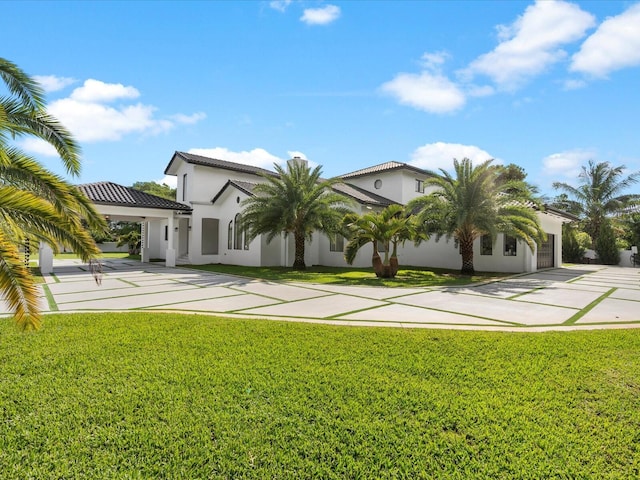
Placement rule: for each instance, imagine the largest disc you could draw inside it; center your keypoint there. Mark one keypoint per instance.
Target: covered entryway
(546, 252)
(118, 202)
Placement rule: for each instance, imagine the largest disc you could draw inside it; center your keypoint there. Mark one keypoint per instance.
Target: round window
(237, 199)
(378, 184)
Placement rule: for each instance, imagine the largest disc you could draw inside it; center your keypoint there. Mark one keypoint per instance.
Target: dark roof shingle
(361, 195)
(383, 167)
(108, 193)
(215, 162)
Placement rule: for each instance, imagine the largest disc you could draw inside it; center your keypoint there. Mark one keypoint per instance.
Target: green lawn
(150, 395)
(407, 276)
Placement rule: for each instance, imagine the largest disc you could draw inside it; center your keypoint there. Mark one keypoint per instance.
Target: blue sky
(347, 84)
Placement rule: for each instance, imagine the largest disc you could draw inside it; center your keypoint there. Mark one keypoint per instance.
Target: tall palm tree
(35, 204)
(295, 201)
(599, 194)
(387, 228)
(476, 201)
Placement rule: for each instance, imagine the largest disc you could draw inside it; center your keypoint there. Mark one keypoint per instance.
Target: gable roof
(361, 195)
(108, 193)
(385, 167)
(244, 187)
(214, 162)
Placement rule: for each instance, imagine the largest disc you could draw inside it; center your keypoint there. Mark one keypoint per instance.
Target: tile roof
(361, 195)
(246, 187)
(214, 162)
(383, 167)
(358, 194)
(108, 193)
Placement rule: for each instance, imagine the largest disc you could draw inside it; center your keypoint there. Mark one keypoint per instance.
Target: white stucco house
(202, 226)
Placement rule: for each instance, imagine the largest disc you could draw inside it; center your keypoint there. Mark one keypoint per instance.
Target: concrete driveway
(589, 296)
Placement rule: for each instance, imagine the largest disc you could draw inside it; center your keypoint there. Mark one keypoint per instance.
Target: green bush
(606, 245)
(572, 250)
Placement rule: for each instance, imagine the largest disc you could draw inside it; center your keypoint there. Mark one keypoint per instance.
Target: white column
(171, 251)
(45, 258)
(144, 241)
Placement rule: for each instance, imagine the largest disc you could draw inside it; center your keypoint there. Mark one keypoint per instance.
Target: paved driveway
(578, 297)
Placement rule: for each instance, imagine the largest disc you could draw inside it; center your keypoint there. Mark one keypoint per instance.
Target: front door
(546, 252)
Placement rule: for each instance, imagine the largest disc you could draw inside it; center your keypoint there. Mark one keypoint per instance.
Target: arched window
(230, 235)
(238, 240)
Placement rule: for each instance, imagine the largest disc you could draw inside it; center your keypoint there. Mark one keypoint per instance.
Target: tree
(387, 229)
(476, 201)
(35, 204)
(599, 195)
(295, 201)
(606, 247)
(159, 190)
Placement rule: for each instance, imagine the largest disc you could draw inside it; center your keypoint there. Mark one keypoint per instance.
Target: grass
(147, 395)
(407, 276)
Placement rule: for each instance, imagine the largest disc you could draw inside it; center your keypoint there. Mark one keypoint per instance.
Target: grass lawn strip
(588, 308)
(149, 395)
(53, 306)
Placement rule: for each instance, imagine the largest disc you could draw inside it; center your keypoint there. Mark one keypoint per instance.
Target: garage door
(546, 252)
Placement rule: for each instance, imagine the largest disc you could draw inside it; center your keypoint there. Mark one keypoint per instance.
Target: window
(510, 246)
(230, 236)
(419, 186)
(240, 237)
(336, 243)
(184, 187)
(486, 245)
(209, 236)
(377, 184)
(166, 232)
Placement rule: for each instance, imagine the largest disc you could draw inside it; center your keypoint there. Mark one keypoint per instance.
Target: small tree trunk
(466, 249)
(298, 262)
(376, 261)
(393, 261)
(393, 266)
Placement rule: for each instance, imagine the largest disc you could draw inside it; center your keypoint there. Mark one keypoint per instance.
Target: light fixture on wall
(176, 229)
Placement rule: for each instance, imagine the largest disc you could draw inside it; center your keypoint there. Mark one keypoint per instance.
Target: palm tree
(599, 194)
(295, 201)
(475, 202)
(35, 204)
(387, 228)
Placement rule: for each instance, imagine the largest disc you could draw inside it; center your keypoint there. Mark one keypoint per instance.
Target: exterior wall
(552, 224)
(398, 185)
(110, 247)
(391, 187)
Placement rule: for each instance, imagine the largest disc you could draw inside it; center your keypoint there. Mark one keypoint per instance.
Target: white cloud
(573, 84)
(188, 119)
(258, 157)
(320, 16)
(434, 156)
(86, 116)
(434, 61)
(170, 180)
(52, 83)
(479, 90)
(38, 146)
(97, 91)
(280, 5)
(295, 153)
(566, 164)
(425, 91)
(614, 45)
(532, 42)
(91, 122)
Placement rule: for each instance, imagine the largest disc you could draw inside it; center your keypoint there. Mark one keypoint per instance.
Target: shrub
(606, 246)
(572, 250)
